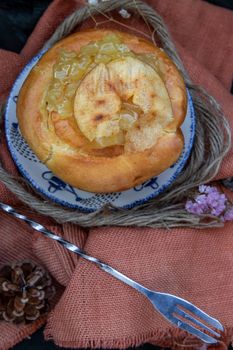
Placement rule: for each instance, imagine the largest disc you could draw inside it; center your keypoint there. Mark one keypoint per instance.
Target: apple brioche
(103, 109)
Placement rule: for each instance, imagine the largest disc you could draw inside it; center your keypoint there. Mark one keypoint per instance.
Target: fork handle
(73, 248)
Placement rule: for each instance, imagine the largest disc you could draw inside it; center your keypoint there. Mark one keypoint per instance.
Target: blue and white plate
(44, 181)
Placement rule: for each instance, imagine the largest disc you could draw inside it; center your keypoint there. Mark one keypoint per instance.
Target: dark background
(17, 20)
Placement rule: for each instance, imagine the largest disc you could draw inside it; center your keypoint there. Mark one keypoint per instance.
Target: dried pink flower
(193, 208)
(209, 201)
(228, 216)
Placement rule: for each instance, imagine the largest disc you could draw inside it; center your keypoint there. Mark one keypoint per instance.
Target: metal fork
(178, 311)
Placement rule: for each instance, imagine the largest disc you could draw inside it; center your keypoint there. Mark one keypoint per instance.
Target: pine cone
(25, 291)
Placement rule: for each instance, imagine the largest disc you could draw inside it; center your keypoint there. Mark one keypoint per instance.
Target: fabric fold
(192, 264)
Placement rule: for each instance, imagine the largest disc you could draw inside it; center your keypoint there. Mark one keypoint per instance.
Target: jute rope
(212, 142)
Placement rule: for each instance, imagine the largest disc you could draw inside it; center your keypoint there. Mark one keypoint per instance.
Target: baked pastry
(102, 109)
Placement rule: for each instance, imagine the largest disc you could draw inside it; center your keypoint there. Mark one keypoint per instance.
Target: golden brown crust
(123, 170)
(58, 142)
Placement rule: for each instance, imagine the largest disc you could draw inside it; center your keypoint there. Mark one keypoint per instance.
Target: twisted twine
(212, 142)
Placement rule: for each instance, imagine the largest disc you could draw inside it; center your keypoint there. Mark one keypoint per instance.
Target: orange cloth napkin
(96, 310)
